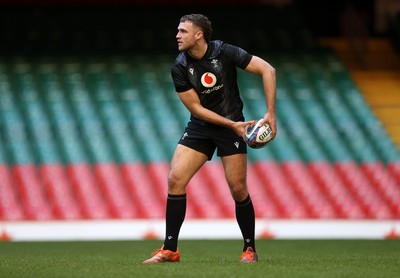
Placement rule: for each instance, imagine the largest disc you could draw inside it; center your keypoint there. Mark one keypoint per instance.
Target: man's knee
(239, 191)
(176, 184)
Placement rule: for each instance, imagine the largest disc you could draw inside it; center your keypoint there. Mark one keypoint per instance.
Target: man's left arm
(268, 74)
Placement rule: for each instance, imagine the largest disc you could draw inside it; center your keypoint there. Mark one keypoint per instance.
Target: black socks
(246, 219)
(175, 215)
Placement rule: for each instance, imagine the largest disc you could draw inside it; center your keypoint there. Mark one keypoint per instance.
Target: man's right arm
(192, 102)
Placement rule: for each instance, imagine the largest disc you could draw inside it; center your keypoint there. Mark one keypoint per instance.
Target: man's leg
(235, 167)
(185, 163)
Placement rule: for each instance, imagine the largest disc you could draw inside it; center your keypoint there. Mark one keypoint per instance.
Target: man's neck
(198, 52)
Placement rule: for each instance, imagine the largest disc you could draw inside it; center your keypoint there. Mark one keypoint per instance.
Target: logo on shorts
(208, 79)
(236, 145)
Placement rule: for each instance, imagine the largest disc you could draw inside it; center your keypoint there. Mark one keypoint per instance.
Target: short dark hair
(200, 21)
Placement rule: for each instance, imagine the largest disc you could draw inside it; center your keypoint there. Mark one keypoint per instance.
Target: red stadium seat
(335, 189)
(31, 192)
(277, 186)
(394, 168)
(59, 191)
(158, 174)
(214, 173)
(385, 183)
(205, 203)
(362, 189)
(10, 208)
(264, 205)
(84, 185)
(114, 191)
(142, 191)
(308, 191)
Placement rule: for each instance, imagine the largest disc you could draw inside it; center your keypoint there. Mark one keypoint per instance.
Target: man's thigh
(184, 164)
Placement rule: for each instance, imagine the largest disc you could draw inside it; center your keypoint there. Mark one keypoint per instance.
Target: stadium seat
(264, 205)
(158, 174)
(144, 194)
(143, 131)
(10, 207)
(205, 203)
(115, 193)
(362, 189)
(58, 190)
(95, 137)
(336, 190)
(306, 188)
(124, 147)
(394, 168)
(385, 183)
(85, 189)
(31, 191)
(277, 185)
(214, 173)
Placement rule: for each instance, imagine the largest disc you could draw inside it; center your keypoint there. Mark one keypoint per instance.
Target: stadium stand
(88, 128)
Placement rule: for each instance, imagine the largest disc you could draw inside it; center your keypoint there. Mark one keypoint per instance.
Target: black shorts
(206, 139)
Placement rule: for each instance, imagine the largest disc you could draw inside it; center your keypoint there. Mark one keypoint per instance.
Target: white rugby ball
(257, 136)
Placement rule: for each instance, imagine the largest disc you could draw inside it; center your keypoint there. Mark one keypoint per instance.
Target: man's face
(187, 35)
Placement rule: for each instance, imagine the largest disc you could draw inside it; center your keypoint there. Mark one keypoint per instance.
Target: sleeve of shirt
(240, 56)
(180, 78)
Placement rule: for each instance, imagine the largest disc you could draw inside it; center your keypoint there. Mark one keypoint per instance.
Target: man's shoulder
(216, 47)
(217, 43)
(181, 59)
(222, 48)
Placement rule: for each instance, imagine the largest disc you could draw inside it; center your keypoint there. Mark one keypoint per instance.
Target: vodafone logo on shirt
(208, 79)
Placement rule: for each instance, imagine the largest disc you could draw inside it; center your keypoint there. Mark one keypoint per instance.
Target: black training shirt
(214, 78)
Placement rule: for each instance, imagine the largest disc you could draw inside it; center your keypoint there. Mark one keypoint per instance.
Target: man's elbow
(270, 70)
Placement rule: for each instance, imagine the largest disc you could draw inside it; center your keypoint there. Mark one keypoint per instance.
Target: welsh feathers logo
(208, 79)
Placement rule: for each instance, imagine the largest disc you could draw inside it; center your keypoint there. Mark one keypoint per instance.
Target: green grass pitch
(202, 258)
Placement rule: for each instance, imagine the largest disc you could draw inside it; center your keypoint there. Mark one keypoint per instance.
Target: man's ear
(199, 35)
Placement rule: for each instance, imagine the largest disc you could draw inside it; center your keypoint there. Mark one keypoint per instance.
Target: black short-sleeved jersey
(214, 78)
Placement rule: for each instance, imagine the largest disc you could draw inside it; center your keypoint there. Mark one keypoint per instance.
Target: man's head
(201, 22)
(192, 29)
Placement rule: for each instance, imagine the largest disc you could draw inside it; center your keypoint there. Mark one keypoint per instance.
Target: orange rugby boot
(163, 256)
(249, 256)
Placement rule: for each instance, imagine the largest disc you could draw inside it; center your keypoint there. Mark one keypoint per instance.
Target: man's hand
(270, 119)
(240, 127)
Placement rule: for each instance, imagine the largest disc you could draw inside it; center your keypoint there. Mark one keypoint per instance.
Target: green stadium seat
(46, 152)
(284, 148)
(72, 149)
(97, 142)
(124, 146)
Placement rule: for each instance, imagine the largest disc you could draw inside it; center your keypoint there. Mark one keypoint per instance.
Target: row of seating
(99, 112)
(292, 190)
